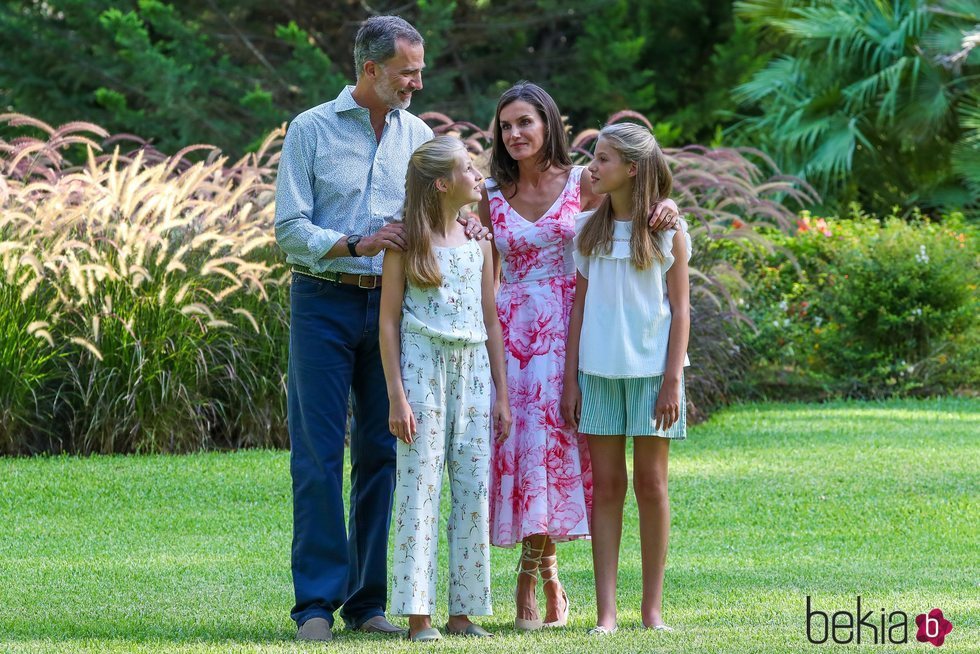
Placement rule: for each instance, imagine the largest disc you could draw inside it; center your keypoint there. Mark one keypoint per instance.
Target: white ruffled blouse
(626, 325)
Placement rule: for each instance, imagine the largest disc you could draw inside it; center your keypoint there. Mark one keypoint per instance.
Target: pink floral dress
(540, 477)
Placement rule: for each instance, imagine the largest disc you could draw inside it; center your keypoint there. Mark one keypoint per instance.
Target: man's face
(397, 78)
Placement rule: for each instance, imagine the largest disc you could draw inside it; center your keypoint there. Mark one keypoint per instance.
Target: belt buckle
(374, 282)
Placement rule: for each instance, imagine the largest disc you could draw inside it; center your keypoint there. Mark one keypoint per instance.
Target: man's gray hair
(375, 40)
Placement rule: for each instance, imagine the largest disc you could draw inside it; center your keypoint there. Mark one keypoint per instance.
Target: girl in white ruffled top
(627, 348)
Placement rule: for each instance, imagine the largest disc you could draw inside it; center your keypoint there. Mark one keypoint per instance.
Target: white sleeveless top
(626, 323)
(453, 311)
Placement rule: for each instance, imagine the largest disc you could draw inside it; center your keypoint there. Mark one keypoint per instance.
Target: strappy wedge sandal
(553, 579)
(528, 556)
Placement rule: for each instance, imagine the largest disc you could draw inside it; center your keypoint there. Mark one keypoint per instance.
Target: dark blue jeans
(333, 355)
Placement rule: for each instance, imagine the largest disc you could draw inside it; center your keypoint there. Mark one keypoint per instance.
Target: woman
(540, 479)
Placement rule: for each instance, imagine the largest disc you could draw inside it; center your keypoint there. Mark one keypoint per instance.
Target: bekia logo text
(873, 627)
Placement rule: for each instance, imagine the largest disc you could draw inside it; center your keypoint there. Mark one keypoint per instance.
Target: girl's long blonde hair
(423, 206)
(652, 184)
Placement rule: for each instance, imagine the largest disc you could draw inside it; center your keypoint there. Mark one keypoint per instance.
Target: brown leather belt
(367, 282)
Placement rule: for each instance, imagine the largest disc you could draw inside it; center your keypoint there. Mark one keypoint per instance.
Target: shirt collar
(346, 102)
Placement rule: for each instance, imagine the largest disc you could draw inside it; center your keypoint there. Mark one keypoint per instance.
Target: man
(341, 183)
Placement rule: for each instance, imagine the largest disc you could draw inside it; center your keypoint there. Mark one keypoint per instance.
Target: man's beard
(390, 96)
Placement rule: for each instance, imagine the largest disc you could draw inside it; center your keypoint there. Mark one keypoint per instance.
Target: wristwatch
(352, 242)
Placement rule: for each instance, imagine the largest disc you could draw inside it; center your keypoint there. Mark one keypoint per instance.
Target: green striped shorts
(611, 407)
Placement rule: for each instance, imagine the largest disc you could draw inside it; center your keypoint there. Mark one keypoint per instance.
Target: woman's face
(522, 130)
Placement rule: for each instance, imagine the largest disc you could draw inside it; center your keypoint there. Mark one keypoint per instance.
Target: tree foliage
(227, 71)
(871, 100)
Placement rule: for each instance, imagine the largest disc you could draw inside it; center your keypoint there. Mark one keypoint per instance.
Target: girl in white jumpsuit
(441, 345)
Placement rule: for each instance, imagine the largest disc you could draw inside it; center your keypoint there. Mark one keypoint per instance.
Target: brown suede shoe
(379, 625)
(317, 629)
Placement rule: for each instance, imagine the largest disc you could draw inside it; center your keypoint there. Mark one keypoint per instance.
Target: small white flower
(786, 322)
(922, 256)
(917, 311)
(784, 305)
(818, 320)
(775, 323)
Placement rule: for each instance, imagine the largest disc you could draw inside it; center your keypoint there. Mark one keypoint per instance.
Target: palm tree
(871, 100)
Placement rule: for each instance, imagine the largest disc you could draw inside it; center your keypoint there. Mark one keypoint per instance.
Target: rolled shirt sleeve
(304, 242)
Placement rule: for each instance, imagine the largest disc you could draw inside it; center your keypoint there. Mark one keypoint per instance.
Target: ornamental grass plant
(143, 297)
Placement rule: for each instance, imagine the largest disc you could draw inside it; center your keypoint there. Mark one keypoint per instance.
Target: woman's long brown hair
(652, 184)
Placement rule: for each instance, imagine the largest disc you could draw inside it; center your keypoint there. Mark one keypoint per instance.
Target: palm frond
(764, 11)
(783, 75)
(928, 107)
(945, 38)
(835, 156)
(899, 32)
(966, 151)
(880, 90)
(964, 10)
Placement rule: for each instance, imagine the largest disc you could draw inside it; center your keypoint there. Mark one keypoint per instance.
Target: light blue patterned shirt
(335, 179)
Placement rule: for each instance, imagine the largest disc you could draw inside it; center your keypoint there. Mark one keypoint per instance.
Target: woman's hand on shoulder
(665, 215)
(401, 420)
(474, 227)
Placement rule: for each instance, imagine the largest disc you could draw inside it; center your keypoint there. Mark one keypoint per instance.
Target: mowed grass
(771, 503)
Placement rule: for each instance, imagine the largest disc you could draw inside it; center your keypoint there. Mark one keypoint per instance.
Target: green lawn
(771, 503)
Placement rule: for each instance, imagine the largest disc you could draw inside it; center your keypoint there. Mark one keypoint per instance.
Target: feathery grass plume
(138, 291)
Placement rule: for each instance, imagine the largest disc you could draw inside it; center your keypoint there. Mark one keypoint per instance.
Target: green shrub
(864, 307)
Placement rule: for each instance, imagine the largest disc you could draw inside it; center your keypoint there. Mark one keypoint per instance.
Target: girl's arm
(401, 419)
(495, 348)
(483, 208)
(571, 395)
(667, 410)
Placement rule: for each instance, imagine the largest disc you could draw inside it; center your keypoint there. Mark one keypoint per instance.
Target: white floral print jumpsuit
(446, 375)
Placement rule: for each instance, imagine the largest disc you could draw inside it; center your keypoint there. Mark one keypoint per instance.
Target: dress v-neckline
(547, 211)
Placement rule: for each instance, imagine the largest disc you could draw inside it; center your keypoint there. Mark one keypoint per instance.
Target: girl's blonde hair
(423, 206)
(652, 184)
